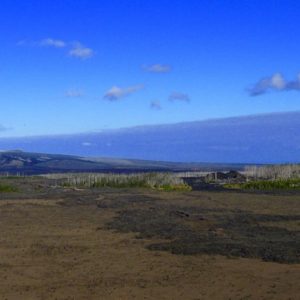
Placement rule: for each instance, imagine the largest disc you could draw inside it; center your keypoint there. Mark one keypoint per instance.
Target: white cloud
(115, 93)
(155, 105)
(177, 96)
(276, 82)
(75, 49)
(86, 144)
(74, 93)
(81, 51)
(158, 68)
(52, 43)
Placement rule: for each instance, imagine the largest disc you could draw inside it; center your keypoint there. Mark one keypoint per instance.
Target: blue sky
(79, 66)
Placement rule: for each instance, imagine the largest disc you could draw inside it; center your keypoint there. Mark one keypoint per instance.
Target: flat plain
(113, 243)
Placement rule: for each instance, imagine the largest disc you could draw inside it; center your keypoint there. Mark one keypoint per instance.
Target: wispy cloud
(116, 93)
(155, 105)
(4, 128)
(24, 43)
(75, 49)
(74, 93)
(158, 68)
(52, 43)
(47, 42)
(80, 51)
(276, 82)
(86, 144)
(177, 96)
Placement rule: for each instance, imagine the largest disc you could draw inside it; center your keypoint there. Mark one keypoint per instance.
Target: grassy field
(139, 243)
(264, 185)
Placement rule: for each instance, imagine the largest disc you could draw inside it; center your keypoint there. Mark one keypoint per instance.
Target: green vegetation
(279, 184)
(13, 177)
(159, 181)
(178, 187)
(7, 188)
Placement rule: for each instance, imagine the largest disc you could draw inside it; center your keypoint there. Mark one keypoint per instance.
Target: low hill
(270, 138)
(39, 163)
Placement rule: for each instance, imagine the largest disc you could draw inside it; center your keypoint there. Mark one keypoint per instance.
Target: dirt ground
(135, 244)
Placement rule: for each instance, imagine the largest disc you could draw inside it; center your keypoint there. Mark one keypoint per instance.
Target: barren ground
(141, 244)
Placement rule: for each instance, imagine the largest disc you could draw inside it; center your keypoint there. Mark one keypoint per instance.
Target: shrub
(7, 188)
(160, 181)
(267, 184)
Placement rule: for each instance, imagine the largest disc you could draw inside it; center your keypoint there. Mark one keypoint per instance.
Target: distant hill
(39, 163)
(270, 138)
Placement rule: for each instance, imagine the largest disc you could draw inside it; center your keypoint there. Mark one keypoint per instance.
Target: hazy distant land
(269, 138)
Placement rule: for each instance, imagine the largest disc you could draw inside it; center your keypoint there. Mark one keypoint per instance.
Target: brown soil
(58, 244)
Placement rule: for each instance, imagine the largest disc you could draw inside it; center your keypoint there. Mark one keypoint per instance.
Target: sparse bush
(7, 188)
(280, 184)
(160, 181)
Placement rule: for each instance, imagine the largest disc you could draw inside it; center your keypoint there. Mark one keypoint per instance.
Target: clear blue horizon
(81, 66)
